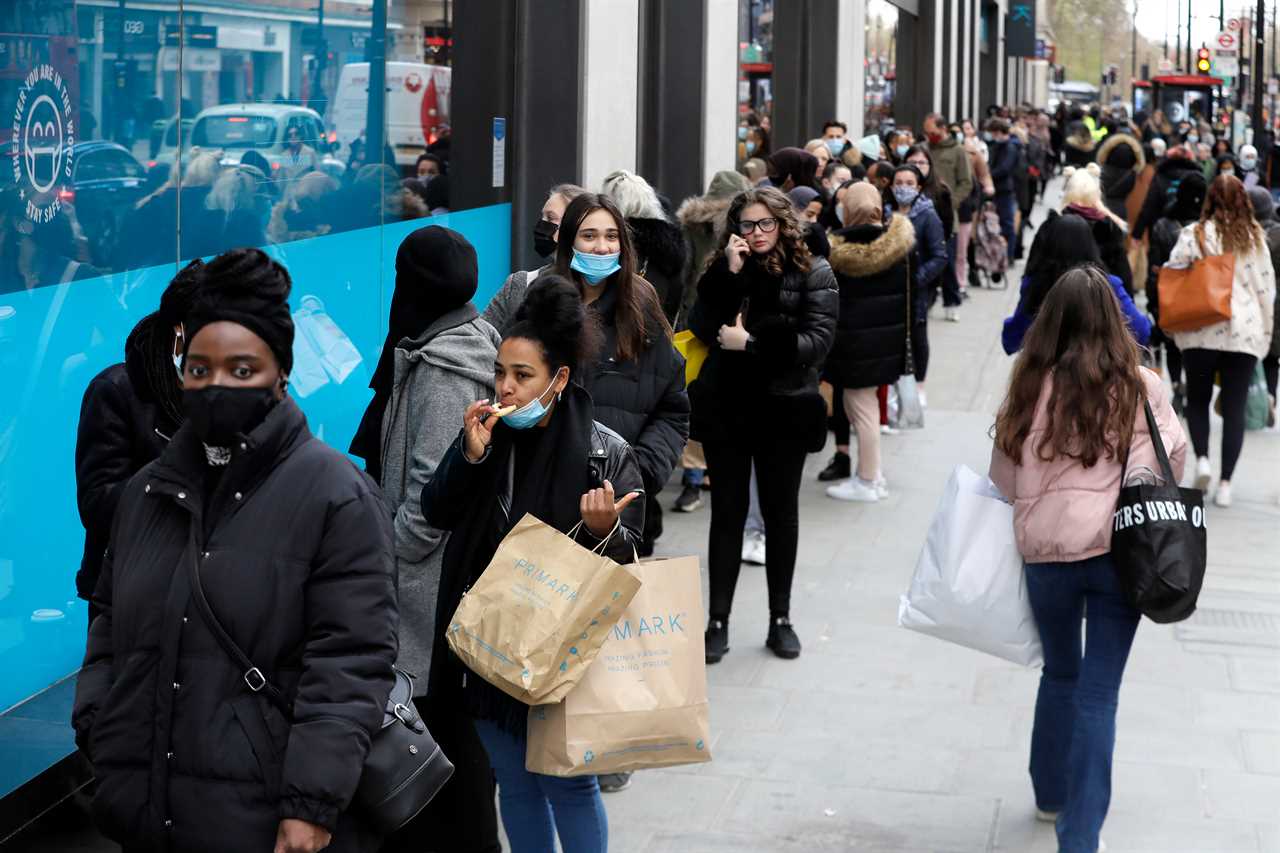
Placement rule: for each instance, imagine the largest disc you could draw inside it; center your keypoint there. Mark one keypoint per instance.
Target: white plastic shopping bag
(969, 587)
(338, 355)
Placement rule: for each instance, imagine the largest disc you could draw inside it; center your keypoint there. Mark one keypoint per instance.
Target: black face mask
(219, 413)
(544, 241)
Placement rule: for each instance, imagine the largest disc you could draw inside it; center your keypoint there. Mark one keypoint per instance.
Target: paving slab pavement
(880, 739)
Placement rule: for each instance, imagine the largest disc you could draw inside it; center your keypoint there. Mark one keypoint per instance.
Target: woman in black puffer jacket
(871, 260)
(768, 311)
(292, 546)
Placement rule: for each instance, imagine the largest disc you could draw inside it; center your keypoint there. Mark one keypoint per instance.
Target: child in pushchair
(990, 251)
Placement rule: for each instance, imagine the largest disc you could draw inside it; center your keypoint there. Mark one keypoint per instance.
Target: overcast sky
(1154, 16)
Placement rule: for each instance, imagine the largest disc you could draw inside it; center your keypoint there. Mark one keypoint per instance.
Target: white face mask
(840, 212)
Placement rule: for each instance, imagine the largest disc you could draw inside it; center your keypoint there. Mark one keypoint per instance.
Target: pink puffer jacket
(1062, 510)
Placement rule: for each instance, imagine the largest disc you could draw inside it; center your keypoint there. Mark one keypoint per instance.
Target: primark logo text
(540, 577)
(1143, 512)
(650, 625)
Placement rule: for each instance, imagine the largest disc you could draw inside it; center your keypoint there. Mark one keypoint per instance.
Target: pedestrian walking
(792, 167)
(1182, 211)
(501, 310)
(1079, 147)
(1229, 349)
(871, 260)
(1264, 211)
(662, 255)
(291, 547)
(129, 413)
(1082, 196)
(768, 312)
(1063, 243)
(1122, 160)
(1072, 419)
(930, 260)
(1004, 158)
(550, 457)
(437, 359)
(1170, 172)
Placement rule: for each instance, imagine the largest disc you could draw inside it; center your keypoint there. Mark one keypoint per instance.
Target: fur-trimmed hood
(660, 244)
(1081, 143)
(858, 258)
(704, 210)
(1114, 142)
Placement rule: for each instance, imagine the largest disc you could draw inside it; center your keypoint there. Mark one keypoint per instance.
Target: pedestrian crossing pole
(1259, 51)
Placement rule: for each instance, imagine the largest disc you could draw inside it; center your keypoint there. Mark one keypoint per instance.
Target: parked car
(106, 182)
(169, 141)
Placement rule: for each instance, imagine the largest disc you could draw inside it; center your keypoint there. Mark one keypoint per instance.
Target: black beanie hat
(436, 271)
(245, 287)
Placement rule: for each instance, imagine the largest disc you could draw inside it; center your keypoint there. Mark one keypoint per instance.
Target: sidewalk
(880, 739)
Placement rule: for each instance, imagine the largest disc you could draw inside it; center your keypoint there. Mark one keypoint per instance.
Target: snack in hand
(503, 411)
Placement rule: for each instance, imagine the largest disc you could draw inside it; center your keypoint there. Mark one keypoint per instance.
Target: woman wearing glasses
(767, 309)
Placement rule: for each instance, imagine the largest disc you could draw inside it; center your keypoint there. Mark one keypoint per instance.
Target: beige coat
(1062, 511)
(1253, 294)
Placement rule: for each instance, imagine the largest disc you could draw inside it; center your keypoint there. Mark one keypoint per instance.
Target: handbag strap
(1157, 443)
(910, 366)
(253, 677)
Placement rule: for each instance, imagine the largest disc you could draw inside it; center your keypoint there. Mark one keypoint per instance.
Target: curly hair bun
(553, 315)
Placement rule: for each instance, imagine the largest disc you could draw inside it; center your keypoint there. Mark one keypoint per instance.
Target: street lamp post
(1259, 50)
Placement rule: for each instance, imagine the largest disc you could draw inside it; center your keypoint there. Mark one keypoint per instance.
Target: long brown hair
(638, 316)
(1081, 340)
(1227, 207)
(790, 248)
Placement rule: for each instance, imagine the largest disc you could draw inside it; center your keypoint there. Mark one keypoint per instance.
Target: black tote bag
(1159, 539)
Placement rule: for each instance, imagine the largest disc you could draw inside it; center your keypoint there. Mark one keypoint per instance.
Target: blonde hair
(233, 190)
(633, 195)
(201, 171)
(1084, 190)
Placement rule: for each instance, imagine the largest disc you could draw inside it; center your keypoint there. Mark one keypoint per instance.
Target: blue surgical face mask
(1248, 163)
(177, 365)
(742, 133)
(905, 195)
(751, 148)
(901, 150)
(530, 413)
(1192, 139)
(960, 136)
(988, 136)
(595, 268)
(836, 146)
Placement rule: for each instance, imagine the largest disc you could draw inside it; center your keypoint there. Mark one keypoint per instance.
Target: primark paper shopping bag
(535, 619)
(643, 703)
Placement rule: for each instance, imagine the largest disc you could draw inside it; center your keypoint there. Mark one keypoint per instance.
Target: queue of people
(567, 397)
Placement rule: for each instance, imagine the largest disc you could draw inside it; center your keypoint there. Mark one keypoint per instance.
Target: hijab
(794, 163)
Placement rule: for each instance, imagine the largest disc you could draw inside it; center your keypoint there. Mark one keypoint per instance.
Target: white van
(417, 106)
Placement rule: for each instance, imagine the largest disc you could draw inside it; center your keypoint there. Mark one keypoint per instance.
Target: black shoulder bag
(405, 767)
(1158, 539)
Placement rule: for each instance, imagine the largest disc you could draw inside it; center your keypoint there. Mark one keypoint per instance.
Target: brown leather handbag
(1199, 295)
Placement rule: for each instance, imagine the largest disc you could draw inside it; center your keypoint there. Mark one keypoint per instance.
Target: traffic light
(1203, 63)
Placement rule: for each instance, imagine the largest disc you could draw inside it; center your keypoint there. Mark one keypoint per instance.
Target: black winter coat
(1122, 160)
(1164, 183)
(664, 256)
(765, 392)
(479, 504)
(299, 568)
(1164, 236)
(643, 399)
(872, 267)
(1110, 239)
(119, 433)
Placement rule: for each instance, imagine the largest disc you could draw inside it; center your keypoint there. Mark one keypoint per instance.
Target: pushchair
(990, 249)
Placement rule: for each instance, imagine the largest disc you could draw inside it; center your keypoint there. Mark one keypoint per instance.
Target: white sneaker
(753, 548)
(1046, 817)
(854, 489)
(1222, 497)
(885, 429)
(924, 401)
(1204, 473)
(882, 487)
(952, 315)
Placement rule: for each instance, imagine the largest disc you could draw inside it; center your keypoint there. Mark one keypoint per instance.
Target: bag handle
(253, 677)
(910, 366)
(1157, 443)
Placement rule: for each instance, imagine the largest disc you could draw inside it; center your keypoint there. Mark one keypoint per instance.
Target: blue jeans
(693, 476)
(535, 808)
(1075, 724)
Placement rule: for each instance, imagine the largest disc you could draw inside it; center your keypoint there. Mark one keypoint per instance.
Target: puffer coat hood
(873, 271)
(662, 253)
(293, 549)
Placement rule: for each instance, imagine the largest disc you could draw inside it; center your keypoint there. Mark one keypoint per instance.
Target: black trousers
(920, 348)
(1235, 370)
(1271, 369)
(462, 818)
(779, 467)
(839, 421)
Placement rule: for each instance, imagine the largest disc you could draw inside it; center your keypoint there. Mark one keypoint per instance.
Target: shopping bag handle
(599, 548)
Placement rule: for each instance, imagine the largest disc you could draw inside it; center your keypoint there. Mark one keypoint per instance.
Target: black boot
(839, 468)
(717, 640)
(782, 638)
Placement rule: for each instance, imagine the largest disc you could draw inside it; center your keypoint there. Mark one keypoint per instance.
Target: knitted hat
(245, 287)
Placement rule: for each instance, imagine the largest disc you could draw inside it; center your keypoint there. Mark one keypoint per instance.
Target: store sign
(43, 133)
(1226, 63)
(193, 59)
(1020, 29)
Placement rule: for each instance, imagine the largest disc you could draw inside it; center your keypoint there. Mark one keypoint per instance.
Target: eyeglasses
(766, 226)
